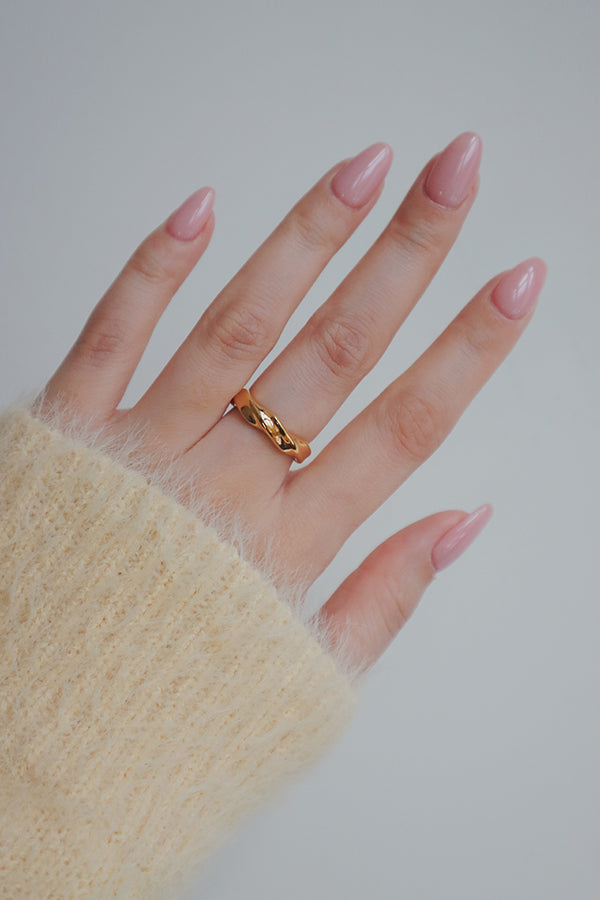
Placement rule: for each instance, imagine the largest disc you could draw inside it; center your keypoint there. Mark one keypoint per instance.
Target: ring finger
(345, 337)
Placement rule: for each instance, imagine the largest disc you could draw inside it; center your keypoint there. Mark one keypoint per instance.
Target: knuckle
(343, 346)
(241, 332)
(101, 341)
(394, 608)
(475, 340)
(310, 232)
(413, 425)
(149, 266)
(415, 233)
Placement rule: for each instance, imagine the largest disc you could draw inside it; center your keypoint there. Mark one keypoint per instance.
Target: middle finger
(244, 322)
(346, 336)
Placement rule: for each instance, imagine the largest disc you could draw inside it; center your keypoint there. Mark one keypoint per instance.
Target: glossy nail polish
(358, 179)
(189, 219)
(516, 293)
(452, 544)
(452, 174)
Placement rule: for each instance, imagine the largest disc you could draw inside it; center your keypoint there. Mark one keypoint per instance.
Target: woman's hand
(306, 514)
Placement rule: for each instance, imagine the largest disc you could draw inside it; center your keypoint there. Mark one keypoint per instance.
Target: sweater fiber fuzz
(154, 686)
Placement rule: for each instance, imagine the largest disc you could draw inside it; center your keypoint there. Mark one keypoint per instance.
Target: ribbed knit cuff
(154, 688)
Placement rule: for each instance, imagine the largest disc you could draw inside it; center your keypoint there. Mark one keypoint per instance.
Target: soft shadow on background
(470, 770)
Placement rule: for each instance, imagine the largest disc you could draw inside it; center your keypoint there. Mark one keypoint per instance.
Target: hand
(306, 513)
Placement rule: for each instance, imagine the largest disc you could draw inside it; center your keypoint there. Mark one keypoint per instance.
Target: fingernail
(452, 544)
(452, 174)
(516, 293)
(358, 179)
(190, 218)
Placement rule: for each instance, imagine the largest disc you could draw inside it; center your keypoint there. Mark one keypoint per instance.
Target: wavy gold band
(263, 418)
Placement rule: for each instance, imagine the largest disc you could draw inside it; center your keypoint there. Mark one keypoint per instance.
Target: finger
(245, 320)
(370, 607)
(366, 461)
(346, 336)
(95, 374)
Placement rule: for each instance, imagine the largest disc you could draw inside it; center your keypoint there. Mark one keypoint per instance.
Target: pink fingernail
(452, 544)
(189, 219)
(357, 181)
(453, 173)
(516, 293)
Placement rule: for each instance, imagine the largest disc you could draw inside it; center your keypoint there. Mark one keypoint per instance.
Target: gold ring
(263, 418)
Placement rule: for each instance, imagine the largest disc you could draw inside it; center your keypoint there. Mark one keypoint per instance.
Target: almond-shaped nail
(359, 178)
(516, 293)
(452, 544)
(452, 174)
(189, 219)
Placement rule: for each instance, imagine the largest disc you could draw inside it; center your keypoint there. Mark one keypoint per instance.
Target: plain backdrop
(471, 768)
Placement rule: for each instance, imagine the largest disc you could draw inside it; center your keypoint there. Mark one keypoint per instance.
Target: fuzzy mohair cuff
(155, 686)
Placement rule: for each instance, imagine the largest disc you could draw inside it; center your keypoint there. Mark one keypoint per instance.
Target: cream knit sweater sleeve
(155, 686)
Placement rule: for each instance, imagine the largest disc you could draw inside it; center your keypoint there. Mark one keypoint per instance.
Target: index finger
(244, 322)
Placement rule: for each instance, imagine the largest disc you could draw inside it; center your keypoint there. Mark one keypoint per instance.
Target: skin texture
(187, 404)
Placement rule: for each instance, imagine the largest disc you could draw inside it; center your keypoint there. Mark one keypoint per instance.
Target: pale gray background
(471, 769)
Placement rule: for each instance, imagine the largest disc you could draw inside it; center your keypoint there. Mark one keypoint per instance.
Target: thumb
(373, 603)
